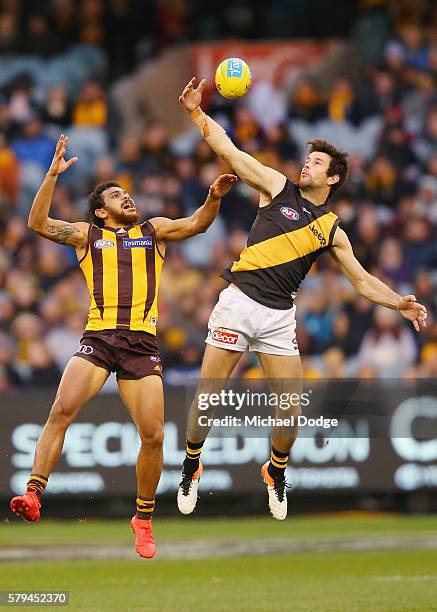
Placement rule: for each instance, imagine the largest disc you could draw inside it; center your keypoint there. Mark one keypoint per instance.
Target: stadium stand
(386, 117)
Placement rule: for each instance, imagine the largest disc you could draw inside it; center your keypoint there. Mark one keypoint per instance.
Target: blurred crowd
(386, 118)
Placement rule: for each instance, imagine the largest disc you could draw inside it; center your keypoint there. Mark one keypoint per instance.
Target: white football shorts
(239, 323)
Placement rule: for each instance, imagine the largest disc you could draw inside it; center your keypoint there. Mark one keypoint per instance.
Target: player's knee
(297, 411)
(291, 410)
(61, 414)
(152, 438)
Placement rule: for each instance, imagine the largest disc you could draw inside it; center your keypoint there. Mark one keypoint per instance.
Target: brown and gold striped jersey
(122, 268)
(286, 238)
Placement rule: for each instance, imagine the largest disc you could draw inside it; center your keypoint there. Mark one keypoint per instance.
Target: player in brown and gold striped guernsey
(121, 261)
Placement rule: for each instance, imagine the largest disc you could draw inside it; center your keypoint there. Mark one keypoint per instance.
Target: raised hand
(222, 185)
(191, 97)
(59, 164)
(413, 311)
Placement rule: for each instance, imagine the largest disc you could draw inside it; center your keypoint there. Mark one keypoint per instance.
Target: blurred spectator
(43, 371)
(57, 108)
(426, 144)
(318, 320)
(420, 248)
(8, 33)
(426, 293)
(38, 38)
(34, 146)
(9, 377)
(63, 340)
(343, 103)
(9, 171)
(382, 182)
(388, 345)
(395, 144)
(342, 334)
(392, 263)
(90, 109)
(307, 102)
(20, 105)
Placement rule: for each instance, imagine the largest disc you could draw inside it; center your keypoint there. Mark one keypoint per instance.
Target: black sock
(36, 484)
(191, 461)
(278, 463)
(145, 508)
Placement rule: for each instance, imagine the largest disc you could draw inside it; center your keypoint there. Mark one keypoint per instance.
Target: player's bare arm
(267, 181)
(71, 234)
(370, 286)
(168, 230)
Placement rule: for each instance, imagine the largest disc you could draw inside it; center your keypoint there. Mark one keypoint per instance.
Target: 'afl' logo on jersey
(289, 213)
(103, 244)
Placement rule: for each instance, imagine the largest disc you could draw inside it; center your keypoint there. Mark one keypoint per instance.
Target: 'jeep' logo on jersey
(290, 213)
(318, 235)
(103, 244)
(144, 243)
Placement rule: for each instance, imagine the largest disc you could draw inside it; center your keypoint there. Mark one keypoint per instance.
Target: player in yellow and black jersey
(121, 260)
(256, 312)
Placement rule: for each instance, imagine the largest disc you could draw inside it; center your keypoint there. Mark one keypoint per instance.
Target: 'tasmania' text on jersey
(122, 269)
(286, 238)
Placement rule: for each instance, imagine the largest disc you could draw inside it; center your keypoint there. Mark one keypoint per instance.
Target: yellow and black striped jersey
(286, 238)
(122, 268)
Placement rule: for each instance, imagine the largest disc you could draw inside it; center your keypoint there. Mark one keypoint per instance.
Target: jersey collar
(121, 231)
(320, 207)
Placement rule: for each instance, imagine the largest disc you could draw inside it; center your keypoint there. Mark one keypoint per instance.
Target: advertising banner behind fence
(385, 440)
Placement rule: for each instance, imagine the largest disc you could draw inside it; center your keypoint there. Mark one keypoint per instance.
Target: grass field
(356, 581)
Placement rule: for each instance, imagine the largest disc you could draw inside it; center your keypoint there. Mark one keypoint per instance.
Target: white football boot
(277, 494)
(187, 491)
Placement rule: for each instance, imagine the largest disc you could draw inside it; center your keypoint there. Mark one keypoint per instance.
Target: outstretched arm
(370, 286)
(168, 230)
(267, 181)
(72, 234)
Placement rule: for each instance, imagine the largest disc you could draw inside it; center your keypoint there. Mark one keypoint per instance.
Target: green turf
(15, 532)
(380, 581)
(330, 582)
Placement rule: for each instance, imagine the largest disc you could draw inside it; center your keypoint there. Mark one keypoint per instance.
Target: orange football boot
(144, 541)
(27, 506)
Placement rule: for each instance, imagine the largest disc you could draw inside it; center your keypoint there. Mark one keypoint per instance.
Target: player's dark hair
(95, 201)
(338, 163)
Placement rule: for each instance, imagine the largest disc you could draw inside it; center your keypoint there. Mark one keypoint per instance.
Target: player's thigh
(144, 399)
(218, 362)
(284, 373)
(80, 381)
(217, 366)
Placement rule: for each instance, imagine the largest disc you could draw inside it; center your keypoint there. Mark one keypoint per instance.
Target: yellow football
(233, 78)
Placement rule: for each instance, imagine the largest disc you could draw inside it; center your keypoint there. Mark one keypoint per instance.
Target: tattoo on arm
(61, 233)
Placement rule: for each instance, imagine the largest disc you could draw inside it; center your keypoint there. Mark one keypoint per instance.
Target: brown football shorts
(131, 354)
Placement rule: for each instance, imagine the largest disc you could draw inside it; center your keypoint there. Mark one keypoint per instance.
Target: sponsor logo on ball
(289, 213)
(225, 337)
(235, 67)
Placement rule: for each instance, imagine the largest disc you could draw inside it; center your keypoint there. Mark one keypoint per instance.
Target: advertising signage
(385, 440)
